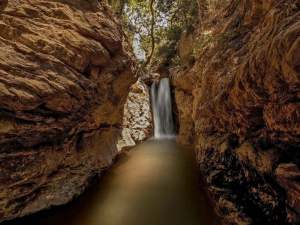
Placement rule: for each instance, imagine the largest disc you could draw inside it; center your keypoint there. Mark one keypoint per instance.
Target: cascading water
(162, 109)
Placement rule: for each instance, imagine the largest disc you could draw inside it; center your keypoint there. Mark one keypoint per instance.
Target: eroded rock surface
(137, 121)
(288, 176)
(184, 82)
(65, 72)
(244, 100)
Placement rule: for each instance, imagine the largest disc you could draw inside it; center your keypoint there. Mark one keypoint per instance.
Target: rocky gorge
(72, 97)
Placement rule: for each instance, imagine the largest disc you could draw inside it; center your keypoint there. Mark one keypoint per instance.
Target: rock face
(244, 95)
(288, 176)
(183, 82)
(65, 72)
(137, 121)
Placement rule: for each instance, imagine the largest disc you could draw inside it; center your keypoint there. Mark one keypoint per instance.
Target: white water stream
(162, 109)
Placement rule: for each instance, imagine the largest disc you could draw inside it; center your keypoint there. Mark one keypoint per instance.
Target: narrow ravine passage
(156, 183)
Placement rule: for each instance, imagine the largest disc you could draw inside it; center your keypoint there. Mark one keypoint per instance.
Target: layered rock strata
(65, 73)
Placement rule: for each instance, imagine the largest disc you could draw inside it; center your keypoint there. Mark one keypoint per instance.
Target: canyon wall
(243, 93)
(65, 73)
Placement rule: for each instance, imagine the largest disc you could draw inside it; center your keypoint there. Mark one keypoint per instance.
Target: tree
(155, 27)
(151, 6)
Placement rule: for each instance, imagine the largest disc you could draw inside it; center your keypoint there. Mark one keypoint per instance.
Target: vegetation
(155, 27)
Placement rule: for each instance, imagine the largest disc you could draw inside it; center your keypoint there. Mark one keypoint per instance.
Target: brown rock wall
(65, 73)
(245, 108)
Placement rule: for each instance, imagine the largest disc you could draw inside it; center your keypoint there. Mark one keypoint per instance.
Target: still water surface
(154, 184)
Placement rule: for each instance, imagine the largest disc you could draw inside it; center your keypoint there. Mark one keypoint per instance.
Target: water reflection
(154, 184)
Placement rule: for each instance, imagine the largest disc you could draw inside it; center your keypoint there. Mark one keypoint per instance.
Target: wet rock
(65, 70)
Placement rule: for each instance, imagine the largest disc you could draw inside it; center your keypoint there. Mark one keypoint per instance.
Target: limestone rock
(65, 71)
(137, 121)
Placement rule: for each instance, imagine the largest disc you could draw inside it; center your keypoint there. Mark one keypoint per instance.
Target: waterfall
(162, 109)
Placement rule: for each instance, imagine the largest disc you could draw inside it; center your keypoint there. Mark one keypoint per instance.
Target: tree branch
(152, 33)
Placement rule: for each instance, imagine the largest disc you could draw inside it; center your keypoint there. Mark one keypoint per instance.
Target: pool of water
(156, 183)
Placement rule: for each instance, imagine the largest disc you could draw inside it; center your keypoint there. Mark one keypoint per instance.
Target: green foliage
(172, 17)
